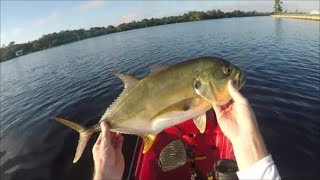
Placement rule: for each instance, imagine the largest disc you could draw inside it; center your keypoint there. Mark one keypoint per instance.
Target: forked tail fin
(84, 137)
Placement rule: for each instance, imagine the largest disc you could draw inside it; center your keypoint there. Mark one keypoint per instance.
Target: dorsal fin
(129, 81)
(156, 68)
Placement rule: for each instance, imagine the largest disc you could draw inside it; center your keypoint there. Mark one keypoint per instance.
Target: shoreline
(46, 48)
(315, 17)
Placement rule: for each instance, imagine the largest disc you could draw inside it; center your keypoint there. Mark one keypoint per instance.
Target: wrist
(104, 173)
(98, 173)
(106, 176)
(249, 150)
(98, 177)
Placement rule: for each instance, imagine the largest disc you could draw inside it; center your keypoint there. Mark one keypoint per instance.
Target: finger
(119, 138)
(113, 137)
(216, 108)
(119, 144)
(105, 131)
(116, 139)
(235, 94)
(119, 134)
(98, 140)
(97, 144)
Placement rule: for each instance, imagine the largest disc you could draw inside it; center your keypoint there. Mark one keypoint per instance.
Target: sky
(23, 21)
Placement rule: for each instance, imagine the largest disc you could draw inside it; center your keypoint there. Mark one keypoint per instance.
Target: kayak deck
(212, 144)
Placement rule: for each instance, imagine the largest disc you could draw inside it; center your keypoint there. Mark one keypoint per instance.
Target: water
(75, 81)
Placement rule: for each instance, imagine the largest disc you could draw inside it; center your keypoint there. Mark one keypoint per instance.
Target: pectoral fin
(148, 140)
(200, 122)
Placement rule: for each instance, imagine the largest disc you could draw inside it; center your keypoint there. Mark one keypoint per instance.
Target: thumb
(105, 134)
(235, 94)
(98, 140)
(97, 144)
(216, 108)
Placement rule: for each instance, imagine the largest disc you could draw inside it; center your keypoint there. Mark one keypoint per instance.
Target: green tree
(36, 45)
(12, 43)
(277, 7)
(111, 29)
(196, 16)
(67, 36)
(144, 22)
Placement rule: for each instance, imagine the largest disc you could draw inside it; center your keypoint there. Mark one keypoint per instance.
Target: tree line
(66, 36)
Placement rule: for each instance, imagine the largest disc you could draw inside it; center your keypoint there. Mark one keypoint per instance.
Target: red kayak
(212, 144)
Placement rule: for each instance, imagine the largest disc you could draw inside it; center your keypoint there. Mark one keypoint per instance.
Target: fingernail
(119, 134)
(103, 124)
(231, 82)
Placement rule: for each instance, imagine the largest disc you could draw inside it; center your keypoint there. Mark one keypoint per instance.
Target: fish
(168, 96)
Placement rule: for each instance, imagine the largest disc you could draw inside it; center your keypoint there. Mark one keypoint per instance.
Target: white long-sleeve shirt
(263, 169)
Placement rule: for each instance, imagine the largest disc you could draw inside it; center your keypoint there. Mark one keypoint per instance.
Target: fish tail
(84, 137)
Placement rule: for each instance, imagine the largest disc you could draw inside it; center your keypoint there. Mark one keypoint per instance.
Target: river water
(75, 81)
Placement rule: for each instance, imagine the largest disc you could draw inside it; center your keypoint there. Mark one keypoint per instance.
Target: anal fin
(148, 140)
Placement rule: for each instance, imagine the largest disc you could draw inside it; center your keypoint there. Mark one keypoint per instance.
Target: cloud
(48, 19)
(89, 5)
(159, 9)
(26, 33)
(144, 10)
(17, 31)
(128, 17)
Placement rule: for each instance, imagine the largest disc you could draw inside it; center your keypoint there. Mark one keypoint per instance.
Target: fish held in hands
(166, 97)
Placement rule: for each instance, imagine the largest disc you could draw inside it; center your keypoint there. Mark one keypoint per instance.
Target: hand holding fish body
(166, 98)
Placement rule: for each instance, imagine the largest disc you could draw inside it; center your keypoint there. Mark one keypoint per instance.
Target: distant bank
(315, 17)
(46, 41)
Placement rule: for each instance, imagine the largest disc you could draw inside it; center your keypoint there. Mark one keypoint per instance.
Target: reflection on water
(74, 81)
(278, 29)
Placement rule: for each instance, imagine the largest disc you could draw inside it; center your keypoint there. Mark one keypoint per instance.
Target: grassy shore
(315, 17)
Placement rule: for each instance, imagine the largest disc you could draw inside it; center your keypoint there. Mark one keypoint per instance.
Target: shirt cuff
(263, 169)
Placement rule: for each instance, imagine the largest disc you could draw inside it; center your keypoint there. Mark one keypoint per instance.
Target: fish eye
(197, 84)
(227, 70)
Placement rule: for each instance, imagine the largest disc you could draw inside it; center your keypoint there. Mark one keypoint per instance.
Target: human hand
(238, 122)
(107, 155)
